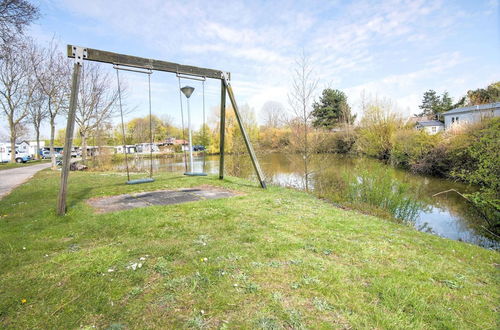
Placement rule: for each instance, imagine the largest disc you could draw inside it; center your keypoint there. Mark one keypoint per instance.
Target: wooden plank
(222, 128)
(68, 143)
(146, 63)
(248, 144)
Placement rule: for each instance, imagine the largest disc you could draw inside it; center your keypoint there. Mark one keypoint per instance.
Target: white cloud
(393, 48)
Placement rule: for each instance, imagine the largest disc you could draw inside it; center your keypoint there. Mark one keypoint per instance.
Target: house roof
(430, 123)
(480, 107)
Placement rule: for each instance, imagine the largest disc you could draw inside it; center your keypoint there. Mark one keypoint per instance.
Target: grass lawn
(7, 166)
(265, 259)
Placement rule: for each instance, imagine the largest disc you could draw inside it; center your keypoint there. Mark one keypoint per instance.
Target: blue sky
(394, 49)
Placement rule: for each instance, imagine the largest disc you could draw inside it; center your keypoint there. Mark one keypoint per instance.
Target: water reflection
(447, 215)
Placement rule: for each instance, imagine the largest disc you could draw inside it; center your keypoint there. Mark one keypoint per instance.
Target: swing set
(122, 62)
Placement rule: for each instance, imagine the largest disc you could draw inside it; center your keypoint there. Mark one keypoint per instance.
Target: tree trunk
(37, 156)
(52, 136)
(84, 146)
(12, 144)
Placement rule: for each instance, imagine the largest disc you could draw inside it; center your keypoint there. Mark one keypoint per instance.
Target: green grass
(267, 259)
(7, 166)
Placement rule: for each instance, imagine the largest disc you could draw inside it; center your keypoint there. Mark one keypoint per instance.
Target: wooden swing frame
(88, 54)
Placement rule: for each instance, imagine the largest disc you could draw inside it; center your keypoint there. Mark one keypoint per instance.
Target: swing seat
(195, 174)
(138, 181)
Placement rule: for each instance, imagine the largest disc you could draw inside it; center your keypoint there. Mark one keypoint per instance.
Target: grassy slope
(274, 258)
(7, 166)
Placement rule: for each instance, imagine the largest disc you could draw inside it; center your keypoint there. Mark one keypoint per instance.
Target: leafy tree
(332, 109)
(202, 136)
(489, 94)
(137, 130)
(378, 128)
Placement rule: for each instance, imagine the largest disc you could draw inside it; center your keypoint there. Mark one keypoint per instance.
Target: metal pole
(191, 163)
(70, 127)
(222, 128)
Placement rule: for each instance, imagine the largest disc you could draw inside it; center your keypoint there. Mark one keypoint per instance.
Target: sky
(393, 49)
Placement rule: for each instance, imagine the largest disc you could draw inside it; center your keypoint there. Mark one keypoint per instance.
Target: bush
(435, 162)
(377, 131)
(476, 154)
(410, 145)
(345, 141)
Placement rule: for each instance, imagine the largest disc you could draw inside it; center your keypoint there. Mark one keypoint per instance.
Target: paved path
(9, 179)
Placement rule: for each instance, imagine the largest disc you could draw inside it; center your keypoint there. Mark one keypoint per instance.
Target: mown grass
(264, 259)
(7, 166)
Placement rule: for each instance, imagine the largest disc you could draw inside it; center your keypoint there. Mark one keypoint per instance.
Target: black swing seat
(138, 181)
(195, 174)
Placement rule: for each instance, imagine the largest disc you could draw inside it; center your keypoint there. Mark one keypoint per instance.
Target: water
(448, 215)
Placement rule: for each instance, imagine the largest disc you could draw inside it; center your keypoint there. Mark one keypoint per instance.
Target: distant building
(29, 147)
(414, 119)
(146, 148)
(430, 126)
(470, 115)
(130, 149)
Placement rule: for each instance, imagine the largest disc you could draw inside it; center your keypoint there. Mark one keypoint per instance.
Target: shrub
(376, 134)
(435, 162)
(410, 145)
(476, 154)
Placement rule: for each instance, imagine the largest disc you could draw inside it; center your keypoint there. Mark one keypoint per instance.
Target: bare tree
(96, 102)
(52, 73)
(15, 15)
(300, 97)
(273, 114)
(37, 113)
(17, 86)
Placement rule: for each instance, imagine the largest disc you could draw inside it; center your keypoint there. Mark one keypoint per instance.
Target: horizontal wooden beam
(146, 63)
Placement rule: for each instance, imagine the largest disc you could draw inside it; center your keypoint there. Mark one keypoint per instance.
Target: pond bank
(447, 215)
(276, 256)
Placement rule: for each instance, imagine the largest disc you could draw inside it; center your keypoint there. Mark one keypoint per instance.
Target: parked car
(46, 154)
(198, 148)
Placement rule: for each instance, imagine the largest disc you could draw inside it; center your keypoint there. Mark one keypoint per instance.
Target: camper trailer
(21, 157)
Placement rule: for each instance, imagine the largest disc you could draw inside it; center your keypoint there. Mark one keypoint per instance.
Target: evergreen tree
(332, 109)
(430, 102)
(445, 104)
(433, 104)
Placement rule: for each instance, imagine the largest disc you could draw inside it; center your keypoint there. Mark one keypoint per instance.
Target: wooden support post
(253, 157)
(68, 143)
(222, 128)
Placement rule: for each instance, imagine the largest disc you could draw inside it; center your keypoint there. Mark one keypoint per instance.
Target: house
(430, 126)
(29, 147)
(412, 121)
(470, 115)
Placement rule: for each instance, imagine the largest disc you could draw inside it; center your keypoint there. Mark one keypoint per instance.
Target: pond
(448, 214)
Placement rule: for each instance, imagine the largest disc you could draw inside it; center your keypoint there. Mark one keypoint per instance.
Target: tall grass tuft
(379, 189)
